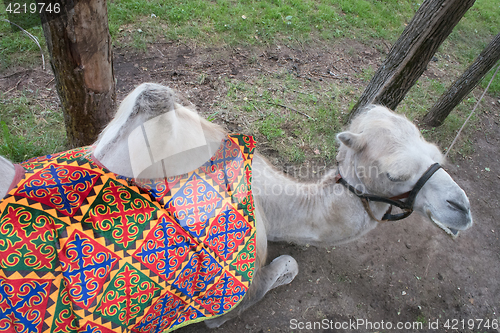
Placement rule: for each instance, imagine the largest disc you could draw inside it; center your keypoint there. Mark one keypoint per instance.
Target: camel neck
(322, 213)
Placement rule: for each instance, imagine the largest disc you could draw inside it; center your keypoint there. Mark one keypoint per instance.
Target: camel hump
(152, 99)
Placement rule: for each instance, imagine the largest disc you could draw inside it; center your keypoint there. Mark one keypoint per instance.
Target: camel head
(385, 155)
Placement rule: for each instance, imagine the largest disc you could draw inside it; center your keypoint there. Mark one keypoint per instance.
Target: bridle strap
(420, 183)
(366, 205)
(406, 205)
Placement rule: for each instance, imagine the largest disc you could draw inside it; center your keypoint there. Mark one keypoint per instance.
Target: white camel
(382, 154)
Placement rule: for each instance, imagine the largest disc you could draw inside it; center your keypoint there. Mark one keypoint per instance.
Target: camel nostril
(457, 206)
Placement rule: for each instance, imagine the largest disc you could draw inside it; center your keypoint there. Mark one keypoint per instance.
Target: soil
(407, 272)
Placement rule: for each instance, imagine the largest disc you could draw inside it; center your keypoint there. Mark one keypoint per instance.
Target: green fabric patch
(127, 295)
(28, 239)
(119, 214)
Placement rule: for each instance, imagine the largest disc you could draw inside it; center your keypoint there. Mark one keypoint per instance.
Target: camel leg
(280, 271)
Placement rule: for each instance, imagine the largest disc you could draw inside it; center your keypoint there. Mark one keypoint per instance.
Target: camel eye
(395, 179)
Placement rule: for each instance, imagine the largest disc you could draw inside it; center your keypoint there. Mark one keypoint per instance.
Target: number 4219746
(32, 8)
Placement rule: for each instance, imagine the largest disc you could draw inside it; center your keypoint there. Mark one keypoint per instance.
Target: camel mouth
(450, 231)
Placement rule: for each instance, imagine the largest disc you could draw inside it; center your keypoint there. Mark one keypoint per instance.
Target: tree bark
(411, 53)
(80, 47)
(464, 84)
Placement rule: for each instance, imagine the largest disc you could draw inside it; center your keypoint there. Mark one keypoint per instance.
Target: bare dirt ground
(409, 272)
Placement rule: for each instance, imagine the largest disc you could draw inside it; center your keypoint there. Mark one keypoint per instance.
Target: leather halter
(406, 206)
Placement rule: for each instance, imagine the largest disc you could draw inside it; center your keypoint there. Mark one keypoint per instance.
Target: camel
(381, 156)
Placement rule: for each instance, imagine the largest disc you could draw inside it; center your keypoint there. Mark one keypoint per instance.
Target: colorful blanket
(85, 250)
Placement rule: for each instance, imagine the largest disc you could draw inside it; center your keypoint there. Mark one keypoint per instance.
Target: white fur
(149, 127)
(393, 146)
(7, 173)
(378, 145)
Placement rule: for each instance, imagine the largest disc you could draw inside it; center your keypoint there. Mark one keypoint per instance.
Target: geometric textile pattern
(128, 294)
(62, 187)
(83, 249)
(22, 304)
(244, 261)
(65, 319)
(200, 272)
(28, 239)
(162, 314)
(194, 204)
(85, 264)
(119, 213)
(226, 232)
(158, 188)
(226, 165)
(223, 296)
(165, 248)
(90, 327)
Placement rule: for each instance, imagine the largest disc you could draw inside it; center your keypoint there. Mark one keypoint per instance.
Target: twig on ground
(289, 108)
(324, 75)
(16, 73)
(43, 107)
(388, 46)
(261, 114)
(309, 307)
(157, 49)
(281, 105)
(239, 53)
(137, 60)
(185, 44)
(173, 71)
(325, 274)
(49, 82)
(265, 70)
(486, 138)
(427, 268)
(354, 69)
(8, 91)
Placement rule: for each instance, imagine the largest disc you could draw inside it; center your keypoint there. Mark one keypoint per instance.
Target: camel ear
(351, 140)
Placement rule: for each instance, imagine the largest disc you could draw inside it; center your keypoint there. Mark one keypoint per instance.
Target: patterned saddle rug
(85, 250)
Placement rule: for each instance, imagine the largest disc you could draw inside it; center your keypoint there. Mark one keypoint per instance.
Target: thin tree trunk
(81, 57)
(411, 53)
(464, 84)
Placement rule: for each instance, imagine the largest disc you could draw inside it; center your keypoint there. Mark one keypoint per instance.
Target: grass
(418, 101)
(28, 128)
(253, 22)
(495, 84)
(294, 117)
(17, 49)
(274, 103)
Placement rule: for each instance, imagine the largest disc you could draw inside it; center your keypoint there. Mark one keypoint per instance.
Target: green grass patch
(249, 22)
(28, 129)
(16, 48)
(494, 89)
(234, 22)
(274, 105)
(294, 117)
(421, 98)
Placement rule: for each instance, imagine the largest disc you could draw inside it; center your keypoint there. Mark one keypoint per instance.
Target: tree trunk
(411, 53)
(464, 84)
(81, 57)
